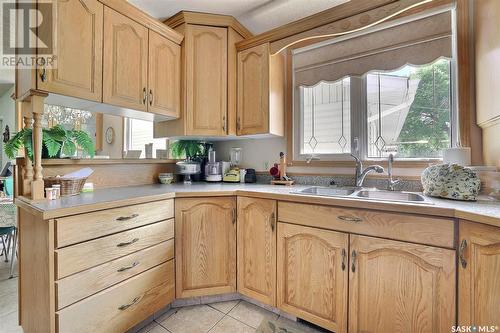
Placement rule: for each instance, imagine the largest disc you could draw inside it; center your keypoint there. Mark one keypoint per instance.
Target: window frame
(359, 116)
(127, 139)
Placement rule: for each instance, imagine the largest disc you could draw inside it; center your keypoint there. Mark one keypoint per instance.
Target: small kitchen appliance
(213, 169)
(233, 175)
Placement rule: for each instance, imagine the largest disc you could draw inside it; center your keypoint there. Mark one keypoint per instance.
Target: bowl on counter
(166, 178)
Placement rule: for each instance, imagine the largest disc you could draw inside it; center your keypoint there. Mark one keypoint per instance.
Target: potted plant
(55, 140)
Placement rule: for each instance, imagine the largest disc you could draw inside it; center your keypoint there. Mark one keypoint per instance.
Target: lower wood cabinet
(205, 248)
(479, 275)
(312, 275)
(257, 249)
(122, 306)
(400, 287)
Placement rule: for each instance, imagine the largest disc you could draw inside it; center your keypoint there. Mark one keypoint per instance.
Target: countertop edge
(398, 207)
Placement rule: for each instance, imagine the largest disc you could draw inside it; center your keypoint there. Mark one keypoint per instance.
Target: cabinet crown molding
(208, 19)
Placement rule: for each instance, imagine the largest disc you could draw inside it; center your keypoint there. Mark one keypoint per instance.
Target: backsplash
(340, 180)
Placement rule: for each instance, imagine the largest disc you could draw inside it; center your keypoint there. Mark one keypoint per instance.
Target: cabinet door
(125, 61)
(400, 287)
(77, 44)
(257, 249)
(312, 275)
(253, 91)
(479, 275)
(206, 80)
(164, 76)
(205, 246)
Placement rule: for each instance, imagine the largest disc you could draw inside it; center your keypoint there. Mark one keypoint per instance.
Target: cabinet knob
(350, 219)
(224, 124)
(126, 268)
(126, 306)
(238, 123)
(461, 249)
(127, 243)
(353, 261)
(43, 74)
(344, 256)
(272, 221)
(126, 218)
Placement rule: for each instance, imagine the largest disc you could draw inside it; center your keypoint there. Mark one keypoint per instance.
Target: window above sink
(373, 95)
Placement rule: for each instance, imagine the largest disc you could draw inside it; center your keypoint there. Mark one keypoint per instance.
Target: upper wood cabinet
(209, 65)
(261, 98)
(164, 76)
(205, 246)
(77, 45)
(206, 80)
(257, 249)
(125, 61)
(400, 287)
(312, 275)
(479, 275)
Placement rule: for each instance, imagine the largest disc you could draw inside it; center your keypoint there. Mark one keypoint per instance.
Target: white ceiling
(256, 15)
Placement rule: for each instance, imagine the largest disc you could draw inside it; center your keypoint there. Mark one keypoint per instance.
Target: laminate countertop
(482, 211)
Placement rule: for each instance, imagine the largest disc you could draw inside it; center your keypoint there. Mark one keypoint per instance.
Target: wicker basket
(69, 186)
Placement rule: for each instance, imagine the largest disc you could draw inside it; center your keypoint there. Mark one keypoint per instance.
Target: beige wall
(487, 57)
(491, 145)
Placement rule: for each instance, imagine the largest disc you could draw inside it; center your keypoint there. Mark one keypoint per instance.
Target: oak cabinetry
(312, 275)
(77, 36)
(205, 81)
(257, 249)
(479, 275)
(122, 306)
(125, 76)
(104, 56)
(205, 248)
(164, 76)
(101, 281)
(208, 94)
(400, 287)
(261, 92)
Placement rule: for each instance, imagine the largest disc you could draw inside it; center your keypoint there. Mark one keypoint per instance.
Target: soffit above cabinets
(256, 15)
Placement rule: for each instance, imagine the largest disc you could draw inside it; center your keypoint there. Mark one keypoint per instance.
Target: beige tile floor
(8, 300)
(224, 317)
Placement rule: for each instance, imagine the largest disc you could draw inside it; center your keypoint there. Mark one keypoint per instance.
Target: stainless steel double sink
(364, 193)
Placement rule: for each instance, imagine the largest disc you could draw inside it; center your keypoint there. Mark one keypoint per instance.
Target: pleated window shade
(416, 42)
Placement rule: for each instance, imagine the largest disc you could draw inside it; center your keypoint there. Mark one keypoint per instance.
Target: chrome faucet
(312, 157)
(361, 174)
(390, 181)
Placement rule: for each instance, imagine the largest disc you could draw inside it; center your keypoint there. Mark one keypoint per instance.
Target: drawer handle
(463, 246)
(272, 221)
(126, 268)
(350, 219)
(127, 243)
(125, 218)
(126, 306)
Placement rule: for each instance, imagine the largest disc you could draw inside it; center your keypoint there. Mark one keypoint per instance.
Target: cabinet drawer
(122, 306)
(79, 257)
(406, 227)
(78, 286)
(79, 228)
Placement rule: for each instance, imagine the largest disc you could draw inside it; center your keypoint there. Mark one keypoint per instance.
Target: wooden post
(27, 175)
(37, 185)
